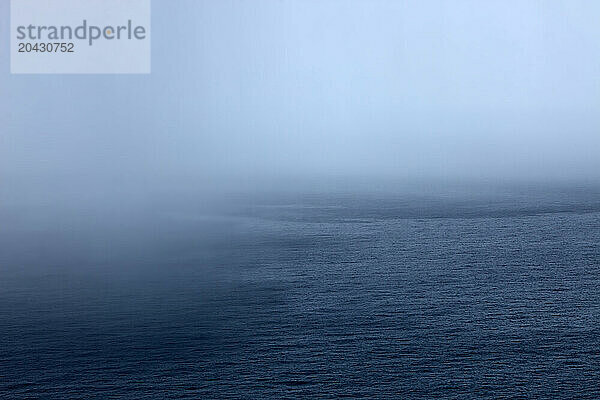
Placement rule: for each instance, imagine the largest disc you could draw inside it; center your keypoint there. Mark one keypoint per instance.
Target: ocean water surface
(304, 296)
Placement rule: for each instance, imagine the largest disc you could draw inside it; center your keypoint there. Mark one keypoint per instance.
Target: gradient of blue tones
(424, 89)
(310, 199)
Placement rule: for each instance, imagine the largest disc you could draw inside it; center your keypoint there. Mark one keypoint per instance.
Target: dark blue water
(305, 297)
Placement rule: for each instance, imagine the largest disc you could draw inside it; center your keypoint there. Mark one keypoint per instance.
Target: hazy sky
(458, 89)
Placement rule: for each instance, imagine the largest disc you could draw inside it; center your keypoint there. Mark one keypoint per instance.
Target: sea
(321, 295)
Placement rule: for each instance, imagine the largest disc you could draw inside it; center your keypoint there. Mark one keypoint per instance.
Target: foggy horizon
(300, 199)
(269, 91)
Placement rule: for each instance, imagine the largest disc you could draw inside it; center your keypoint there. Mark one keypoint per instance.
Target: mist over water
(309, 200)
(297, 295)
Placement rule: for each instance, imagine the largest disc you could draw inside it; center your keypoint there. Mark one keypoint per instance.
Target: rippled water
(320, 297)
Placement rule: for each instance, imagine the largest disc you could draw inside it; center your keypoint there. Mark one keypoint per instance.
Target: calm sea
(305, 296)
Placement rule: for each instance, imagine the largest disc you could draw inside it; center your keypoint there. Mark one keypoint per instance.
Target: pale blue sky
(450, 89)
